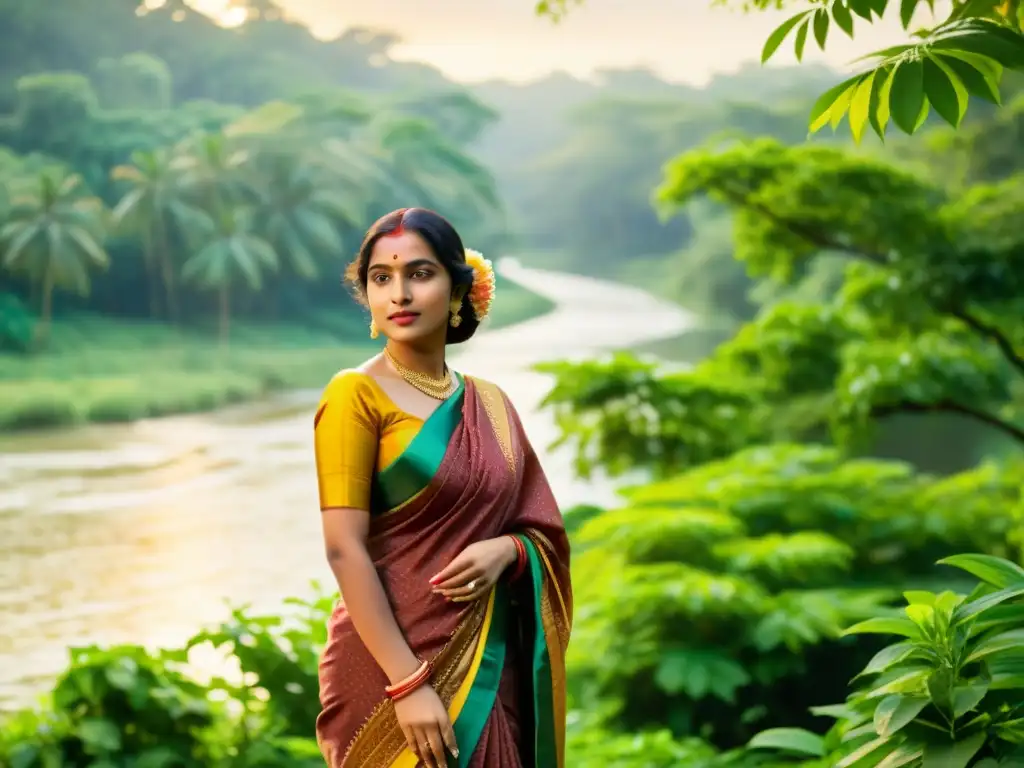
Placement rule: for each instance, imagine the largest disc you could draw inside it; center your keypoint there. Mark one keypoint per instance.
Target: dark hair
(446, 245)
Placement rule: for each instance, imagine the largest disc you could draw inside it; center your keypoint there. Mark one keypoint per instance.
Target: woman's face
(407, 288)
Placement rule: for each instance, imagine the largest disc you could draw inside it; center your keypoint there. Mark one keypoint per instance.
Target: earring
(456, 319)
(374, 333)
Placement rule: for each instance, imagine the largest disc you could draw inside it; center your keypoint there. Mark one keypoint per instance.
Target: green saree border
(483, 693)
(545, 741)
(414, 468)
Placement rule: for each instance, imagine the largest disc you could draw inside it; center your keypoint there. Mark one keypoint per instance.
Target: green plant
(712, 604)
(131, 707)
(947, 695)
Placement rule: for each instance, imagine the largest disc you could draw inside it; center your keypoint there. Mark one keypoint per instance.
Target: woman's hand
(427, 727)
(475, 570)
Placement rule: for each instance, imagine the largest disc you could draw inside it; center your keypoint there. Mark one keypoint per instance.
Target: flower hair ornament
(481, 293)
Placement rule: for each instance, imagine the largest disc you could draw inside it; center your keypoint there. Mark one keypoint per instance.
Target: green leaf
(905, 754)
(986, 39)
(906, 96)
(879, 111)
(940, 688)
(1003, 641)
(775, 38)
(957, 755)
(100, 735)
(982, 604)
(863, 751)
(790, 740)
(821, 111)
(909, 680)
(862, 8)
(894, 712)
(801, 40)
(945, 92)
(994, 570)
(821, 20)
(907, 8)
(842, 17)
(914, 597)
(860, 106)
(886, 626)
(922, 615)
(888, 656)
(967, 697)
(974, 80)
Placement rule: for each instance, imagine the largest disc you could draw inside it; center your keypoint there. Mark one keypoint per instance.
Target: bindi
(395, 257)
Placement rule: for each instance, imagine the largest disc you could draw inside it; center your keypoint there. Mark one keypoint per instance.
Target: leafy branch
(963, 56)
(950, 406)
(826, 242)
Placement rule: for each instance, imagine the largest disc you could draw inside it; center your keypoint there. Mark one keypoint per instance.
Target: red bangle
(409, 684)
(520, 558)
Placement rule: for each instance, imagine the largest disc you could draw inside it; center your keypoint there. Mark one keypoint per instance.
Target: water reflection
(140, 532)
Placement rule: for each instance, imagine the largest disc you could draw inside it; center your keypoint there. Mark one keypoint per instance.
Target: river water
(143, 532)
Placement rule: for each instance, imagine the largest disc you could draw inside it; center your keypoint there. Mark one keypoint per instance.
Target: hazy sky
(471, 40)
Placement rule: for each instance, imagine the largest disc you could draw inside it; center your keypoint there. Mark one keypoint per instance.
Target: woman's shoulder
(351, 390)
(486, 387)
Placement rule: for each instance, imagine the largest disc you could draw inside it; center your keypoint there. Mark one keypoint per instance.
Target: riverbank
(100, 370)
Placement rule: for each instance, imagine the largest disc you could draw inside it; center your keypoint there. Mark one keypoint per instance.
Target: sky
(682, 40)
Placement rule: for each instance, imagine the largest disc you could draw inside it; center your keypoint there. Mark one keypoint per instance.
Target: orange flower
(481, 294)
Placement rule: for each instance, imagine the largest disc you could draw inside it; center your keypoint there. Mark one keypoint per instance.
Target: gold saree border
(497, 413)
(556, 625)
(379, 743)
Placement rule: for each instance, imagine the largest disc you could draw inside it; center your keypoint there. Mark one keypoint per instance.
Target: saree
(468, 475)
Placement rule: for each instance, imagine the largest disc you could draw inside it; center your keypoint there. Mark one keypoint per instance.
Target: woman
(442, 531)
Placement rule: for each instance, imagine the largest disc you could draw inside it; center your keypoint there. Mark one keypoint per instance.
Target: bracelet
(411, 683)
(520, 558)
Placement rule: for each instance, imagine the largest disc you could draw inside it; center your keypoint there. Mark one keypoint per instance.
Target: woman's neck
(426, 360)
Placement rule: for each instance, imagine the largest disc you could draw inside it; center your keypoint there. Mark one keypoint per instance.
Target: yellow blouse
(357, 430)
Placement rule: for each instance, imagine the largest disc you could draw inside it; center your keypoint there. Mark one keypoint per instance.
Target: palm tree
(232, 250)
(299, 209)
(428, 168)
(154, 201)
(54, 235)
(211, 169)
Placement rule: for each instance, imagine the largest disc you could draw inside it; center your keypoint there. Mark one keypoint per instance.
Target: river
(144, 532)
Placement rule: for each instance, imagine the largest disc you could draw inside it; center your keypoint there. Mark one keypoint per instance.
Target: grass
(98, 369)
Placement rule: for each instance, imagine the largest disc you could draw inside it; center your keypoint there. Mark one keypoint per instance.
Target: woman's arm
(347, 429)
(345, 534)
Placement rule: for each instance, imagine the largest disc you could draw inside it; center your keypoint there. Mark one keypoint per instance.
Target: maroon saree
(469, 475)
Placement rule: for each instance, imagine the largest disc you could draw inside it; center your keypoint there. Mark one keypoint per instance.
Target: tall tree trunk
(45, 309)
(149, 257)
(167, 269)
(225, 314)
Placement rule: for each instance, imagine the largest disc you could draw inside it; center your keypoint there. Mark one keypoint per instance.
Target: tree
(53, 235)
(153, 203)
(962, 56)
(231, 251)
(924, 322)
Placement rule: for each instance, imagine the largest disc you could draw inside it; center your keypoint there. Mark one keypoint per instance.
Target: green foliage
(130, 706)
(923, 321)
(960, 57)
(284, 188)
(947, 694)
(716, 598)
(764, 557)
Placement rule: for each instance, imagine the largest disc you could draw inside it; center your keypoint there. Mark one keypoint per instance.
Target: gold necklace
(439, 389)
